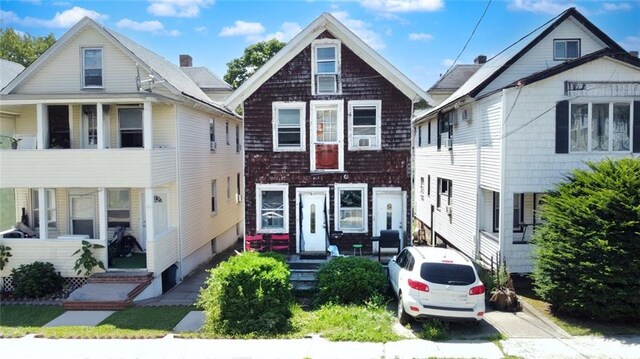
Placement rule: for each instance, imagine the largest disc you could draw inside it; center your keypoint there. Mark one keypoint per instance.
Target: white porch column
(42, 213)
(148, 204)
(100, 120)
(147, 129)
(102, 214)
(41, 126)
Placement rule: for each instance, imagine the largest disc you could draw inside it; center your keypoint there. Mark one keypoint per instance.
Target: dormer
(325, 67)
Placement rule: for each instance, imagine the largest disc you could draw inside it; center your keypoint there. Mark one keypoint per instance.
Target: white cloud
(63, 19)
(362, 29)
(148, 26)
(553, 7)
(420, 36)
(178, 8)
(173, 33)
(287, 31)
(242, 28)
(610, 7)
(398, 6)
(201, 29)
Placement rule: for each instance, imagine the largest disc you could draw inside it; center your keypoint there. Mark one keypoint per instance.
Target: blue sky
(420, 37)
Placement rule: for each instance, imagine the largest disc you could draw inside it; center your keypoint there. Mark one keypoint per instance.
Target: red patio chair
(280, 243)
(255, 243)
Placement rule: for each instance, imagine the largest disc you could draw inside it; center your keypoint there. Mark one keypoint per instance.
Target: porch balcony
(122, 167)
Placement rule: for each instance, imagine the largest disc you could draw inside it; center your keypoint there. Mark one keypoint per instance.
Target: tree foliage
(23, 49)
(586, 252)
(254, 56)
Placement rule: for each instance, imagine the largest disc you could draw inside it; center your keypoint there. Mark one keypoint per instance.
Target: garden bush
(36, 280)
(248, 294)
(350, 280)
(586, 251)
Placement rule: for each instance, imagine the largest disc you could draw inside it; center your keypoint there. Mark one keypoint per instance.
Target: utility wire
(470, 36)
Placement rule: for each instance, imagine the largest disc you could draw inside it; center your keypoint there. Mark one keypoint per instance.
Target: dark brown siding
(389, 167)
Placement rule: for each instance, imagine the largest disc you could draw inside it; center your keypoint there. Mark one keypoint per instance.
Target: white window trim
(118, 129)
(51, 207)
(285, 198)
(214, 196)
(302, 106)
(326, 43)
(320, 105)
(366, 103)
(565, 58)
(611, 102)
(365, 210)
(101, 69)
(212, 132)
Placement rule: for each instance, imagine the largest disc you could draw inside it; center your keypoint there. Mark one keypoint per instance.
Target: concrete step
(108, 291)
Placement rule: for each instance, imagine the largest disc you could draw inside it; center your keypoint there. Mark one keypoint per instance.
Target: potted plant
(14, 141)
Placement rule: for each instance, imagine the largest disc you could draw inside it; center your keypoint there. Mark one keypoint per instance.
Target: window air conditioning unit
(364, 142)
(448, 209)
(447, 143)
(212, 145)
(238, 198)
(326, 84)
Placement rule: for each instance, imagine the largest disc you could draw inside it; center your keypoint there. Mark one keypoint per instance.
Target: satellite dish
(146, 84)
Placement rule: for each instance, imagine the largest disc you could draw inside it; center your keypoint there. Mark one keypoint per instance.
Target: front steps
(108, 291)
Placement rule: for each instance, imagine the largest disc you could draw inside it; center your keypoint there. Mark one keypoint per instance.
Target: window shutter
(562, 127)
(636, 127)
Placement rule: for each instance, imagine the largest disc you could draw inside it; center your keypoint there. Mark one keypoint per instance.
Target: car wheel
(403, 317)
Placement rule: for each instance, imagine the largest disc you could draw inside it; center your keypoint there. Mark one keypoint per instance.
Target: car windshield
(447, 273)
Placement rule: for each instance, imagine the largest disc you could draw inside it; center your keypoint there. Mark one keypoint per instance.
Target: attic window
(566, 49)
(326, 66)
(91, 67)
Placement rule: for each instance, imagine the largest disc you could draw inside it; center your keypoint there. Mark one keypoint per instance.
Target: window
(419, 136)
(429, 133)
(130, 121)
(51, 208)
(228, 188)
(351, 208)
(289, 126)
(326, 66)
(92, 67)
(364, 125)
(428, 185)
(600, 127)
(212, 135)
(226, 128)
(422, 188)
(445, 130)
(237, 139)
(90, 124)
(444, 192)
(214, 196)
(272, 208)
(238, 198)
(118, 208)
(566, 49)
(496, 211)
(518, 212)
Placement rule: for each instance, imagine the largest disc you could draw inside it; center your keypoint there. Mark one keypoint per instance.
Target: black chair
(388, 239)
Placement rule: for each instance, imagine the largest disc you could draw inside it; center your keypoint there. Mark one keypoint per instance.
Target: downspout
(479, 196)
(179, 188)
(503, 186)
(411, 174)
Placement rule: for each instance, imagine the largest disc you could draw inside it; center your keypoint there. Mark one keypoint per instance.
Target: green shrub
(36, 280)
(350, 280)
(249, 293)
(586, 262)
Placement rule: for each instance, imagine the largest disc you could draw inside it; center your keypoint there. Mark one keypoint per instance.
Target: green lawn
(20, 320)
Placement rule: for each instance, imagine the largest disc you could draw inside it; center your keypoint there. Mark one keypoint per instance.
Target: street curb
(545, 320)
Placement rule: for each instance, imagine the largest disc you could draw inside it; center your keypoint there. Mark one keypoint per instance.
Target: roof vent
(633, 53)
(481, 59)
(186, 61)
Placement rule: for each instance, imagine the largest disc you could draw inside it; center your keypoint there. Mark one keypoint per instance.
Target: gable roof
(456, 77)
(8, 71)
(205, 79)
(304, 38)
(176, 80)
(502, 61)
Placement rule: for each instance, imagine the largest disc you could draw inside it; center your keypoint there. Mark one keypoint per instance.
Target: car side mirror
(393, 259)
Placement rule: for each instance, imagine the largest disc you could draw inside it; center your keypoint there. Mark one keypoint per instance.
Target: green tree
(254, 56)
(23, 49)
(586, 252)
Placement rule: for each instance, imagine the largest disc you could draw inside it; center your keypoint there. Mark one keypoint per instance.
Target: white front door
(389, 211)
(160, 214)
(313, 224)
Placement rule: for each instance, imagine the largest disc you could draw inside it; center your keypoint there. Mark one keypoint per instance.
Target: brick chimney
(186, 61)
(481, 59)
(633, 53)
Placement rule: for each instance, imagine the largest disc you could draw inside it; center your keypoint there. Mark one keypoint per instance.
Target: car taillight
(423, 287)
(477, 290)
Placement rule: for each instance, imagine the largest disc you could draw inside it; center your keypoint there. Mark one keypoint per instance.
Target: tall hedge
(248, 294)
(587, 252)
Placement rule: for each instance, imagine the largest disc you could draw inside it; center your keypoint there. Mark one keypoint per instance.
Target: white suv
(436, 282)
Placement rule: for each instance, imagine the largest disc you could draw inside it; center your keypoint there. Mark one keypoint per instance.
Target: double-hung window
(566, 49)
(445, 128)
(92, 67)
(214, 196)
(237, 138)
(130, 122)
(496, 212)
(289, 120)
(518, 212)
(118, 208)
(364, 125)
(272, 210)
(51, 208)
(212, 135)
(600, 126)
(326, 66)
(444, 192)
(351, 208)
